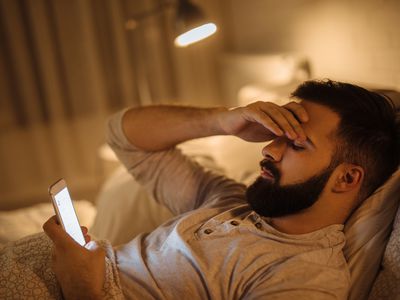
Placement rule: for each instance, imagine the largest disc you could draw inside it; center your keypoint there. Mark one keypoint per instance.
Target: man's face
(293, 173)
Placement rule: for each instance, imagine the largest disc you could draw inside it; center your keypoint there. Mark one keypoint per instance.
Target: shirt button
(234, 223)
(258, 225)
(207, 231)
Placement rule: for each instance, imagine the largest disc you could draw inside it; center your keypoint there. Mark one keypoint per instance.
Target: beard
(269, 199)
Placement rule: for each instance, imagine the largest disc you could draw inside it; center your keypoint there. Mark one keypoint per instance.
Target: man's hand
(263, 121)
(80, 272)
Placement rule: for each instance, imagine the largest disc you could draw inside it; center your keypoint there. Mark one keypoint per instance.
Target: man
(281, 237)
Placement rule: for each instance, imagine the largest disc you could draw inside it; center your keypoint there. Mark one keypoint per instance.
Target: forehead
(322, 122)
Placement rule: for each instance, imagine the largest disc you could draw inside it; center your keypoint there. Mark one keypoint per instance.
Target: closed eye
(297, 147)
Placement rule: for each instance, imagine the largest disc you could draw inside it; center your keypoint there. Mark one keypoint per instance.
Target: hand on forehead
(321, 124)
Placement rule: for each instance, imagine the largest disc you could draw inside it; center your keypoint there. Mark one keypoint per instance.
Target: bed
(124, 209)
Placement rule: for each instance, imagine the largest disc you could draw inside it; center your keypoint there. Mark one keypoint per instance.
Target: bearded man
(281, 237)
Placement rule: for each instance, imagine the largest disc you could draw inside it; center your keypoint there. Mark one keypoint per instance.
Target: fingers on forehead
(263, 118)
(281, 118)
(298, 110)
(294, 122)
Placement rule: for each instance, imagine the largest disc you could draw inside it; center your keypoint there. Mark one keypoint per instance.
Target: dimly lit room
(174, 122)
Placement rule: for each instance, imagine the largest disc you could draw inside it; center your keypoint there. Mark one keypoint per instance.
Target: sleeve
(172, 179)
(302, 281)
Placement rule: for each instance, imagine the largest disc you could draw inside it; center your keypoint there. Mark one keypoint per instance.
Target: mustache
(268, 165)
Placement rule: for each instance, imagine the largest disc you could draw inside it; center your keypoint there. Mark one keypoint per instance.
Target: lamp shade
(191, 24)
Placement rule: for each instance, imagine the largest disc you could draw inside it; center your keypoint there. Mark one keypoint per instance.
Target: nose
(275, 150)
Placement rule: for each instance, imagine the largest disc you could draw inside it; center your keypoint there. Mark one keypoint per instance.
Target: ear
(348, 177)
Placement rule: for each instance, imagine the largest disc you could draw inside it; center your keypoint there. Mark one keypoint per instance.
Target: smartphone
(65, 211)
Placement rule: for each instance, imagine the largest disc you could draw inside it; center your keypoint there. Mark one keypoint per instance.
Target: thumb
(56, 233)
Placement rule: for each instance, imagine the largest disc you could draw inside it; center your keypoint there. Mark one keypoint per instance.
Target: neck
(299, 224)
(323, 213)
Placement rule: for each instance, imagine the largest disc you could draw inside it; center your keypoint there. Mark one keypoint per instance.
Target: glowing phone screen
(68, 216)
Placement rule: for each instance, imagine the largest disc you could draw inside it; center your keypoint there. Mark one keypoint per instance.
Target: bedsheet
(26, 270)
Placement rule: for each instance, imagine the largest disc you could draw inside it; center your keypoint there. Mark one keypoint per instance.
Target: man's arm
(155, 128)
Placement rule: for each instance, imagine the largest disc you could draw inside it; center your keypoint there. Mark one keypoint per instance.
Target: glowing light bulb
(195, 35)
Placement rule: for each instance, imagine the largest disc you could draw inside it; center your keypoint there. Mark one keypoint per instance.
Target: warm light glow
(195, 35)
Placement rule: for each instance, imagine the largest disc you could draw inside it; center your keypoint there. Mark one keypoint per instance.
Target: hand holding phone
(65, 211)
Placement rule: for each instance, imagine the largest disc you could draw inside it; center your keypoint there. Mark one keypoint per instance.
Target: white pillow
(16, 224)
(367, 232)
(125, 209)
(387, 285)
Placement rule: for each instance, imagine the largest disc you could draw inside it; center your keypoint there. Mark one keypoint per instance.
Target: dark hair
(367, 134)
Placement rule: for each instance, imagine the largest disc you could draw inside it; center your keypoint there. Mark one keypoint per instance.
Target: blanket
(25, 270)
